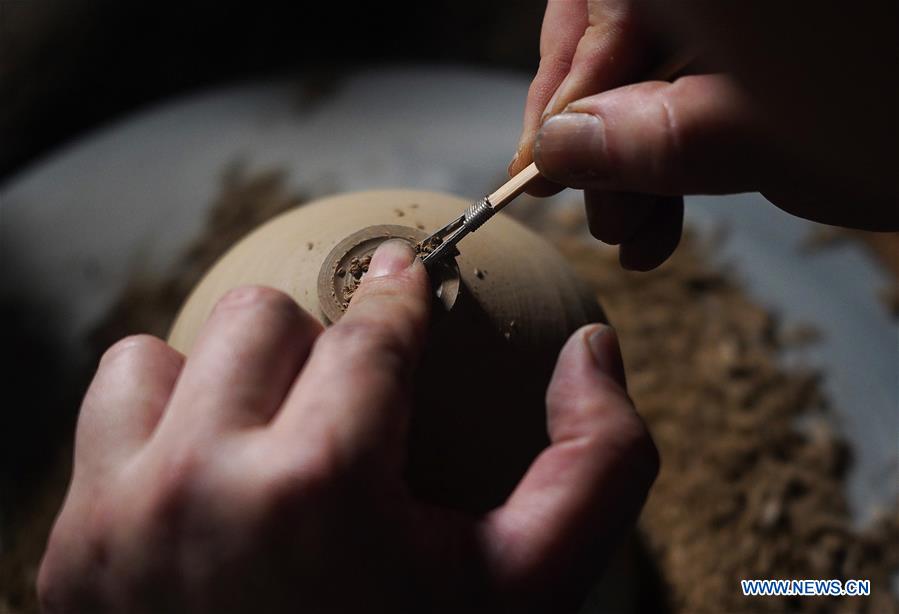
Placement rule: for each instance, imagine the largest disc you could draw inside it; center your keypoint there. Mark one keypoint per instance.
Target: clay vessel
(503, 316)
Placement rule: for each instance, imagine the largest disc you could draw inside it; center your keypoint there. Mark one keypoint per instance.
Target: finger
(564, 22)
(244, 361)
(614, 217)
(586, 489)
(354, 392)
(125, 401)
(693, 136)
(607, 54)
(657, 238)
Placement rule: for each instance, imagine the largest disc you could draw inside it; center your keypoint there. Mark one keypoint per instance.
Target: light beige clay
(479, 417)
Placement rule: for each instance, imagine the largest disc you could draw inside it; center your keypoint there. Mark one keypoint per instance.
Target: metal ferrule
(478, 213)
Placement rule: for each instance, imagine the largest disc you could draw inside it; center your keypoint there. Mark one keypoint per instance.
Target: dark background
(69, 65)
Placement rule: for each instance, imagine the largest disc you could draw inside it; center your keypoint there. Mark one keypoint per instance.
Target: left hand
(265, 472)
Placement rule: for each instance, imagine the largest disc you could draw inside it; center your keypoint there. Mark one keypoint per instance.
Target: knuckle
(300, 480)
(397, 293)
(670, 147)
(134, 345)
(258, 298)
(677, 149)
(169, 493)
(363, 341)
(336, 338)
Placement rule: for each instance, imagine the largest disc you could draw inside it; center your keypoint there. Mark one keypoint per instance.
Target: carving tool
(442, 243)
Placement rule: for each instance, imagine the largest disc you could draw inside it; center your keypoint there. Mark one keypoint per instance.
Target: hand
(264, 473)
(803, 111)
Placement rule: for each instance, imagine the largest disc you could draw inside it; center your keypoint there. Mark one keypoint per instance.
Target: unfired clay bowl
(479, 416)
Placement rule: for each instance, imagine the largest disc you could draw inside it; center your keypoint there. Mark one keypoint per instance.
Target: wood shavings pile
(357, 270)
(742, 493)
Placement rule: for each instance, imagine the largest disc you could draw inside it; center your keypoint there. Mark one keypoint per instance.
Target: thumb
(586, 488)
(696, 135)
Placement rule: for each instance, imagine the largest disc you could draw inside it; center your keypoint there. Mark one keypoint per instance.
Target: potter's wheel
(75, 226)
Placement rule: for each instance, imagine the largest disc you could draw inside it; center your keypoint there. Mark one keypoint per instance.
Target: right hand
(804, 112)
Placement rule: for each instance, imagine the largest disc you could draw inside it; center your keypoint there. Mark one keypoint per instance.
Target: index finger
(564, 24)
(354, 390)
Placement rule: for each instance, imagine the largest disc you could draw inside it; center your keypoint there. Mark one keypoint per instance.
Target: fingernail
(571, 146)
(390, 258)
(603, 345)
(596, 342)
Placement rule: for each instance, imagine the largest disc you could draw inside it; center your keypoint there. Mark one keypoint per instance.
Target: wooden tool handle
(507, 192)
